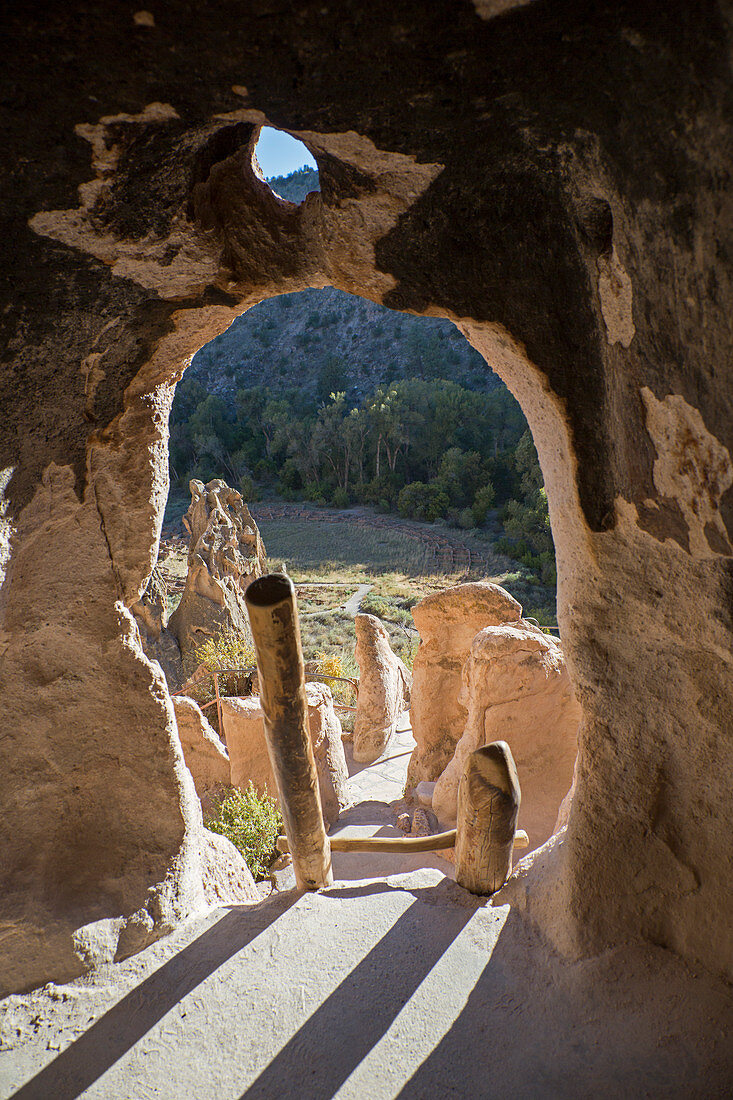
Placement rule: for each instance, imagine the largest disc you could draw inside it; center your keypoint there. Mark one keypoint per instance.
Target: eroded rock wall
(244, 729)
(447, 623)
(515, 688)
(384, 689)
(556, 179)
(225, 554)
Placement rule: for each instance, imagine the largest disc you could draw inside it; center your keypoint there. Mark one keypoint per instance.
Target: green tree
(423, 501)
(528, 519)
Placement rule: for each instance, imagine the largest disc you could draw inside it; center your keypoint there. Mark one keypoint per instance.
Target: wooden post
(273, 616)
(405, 845)
(488, 804)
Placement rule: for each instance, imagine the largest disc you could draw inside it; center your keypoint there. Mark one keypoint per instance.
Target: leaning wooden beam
(488, 804)
(400, 844)
(273, 616)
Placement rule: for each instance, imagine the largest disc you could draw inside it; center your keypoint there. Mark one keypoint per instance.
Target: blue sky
(279, 153)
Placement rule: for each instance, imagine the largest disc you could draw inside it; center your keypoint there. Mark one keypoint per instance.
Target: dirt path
(352, 605)
(405, 986)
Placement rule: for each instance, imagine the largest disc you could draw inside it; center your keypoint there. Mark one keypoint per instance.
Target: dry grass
(308, 544)
(327, 561)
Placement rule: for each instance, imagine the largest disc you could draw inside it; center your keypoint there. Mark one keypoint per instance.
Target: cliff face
(555, 179)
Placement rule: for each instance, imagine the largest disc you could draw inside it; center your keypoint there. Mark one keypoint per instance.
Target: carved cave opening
(615, 349)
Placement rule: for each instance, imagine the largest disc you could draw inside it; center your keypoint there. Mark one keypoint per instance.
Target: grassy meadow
(329, 555)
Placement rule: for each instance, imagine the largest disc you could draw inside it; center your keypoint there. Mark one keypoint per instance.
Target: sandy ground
(387, 985)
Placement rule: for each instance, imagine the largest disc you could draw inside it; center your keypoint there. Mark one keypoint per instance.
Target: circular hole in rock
(286, 165)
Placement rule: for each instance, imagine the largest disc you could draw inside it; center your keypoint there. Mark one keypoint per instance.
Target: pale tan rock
(151, 616)
(225, 553)
(328, 749)
(447, 622)
(563, 814)
(226, 876)
(384, 689)
(244, 732)
(244, 729)
(420, 824)
(125, 843)
(515, 688)
(206, 757)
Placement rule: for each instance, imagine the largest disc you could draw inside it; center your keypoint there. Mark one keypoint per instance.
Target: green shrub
(224, 650)
(482, 502)
(373, 604)
(419, 500)
(252, 822)
(314, 493)
(247, 488)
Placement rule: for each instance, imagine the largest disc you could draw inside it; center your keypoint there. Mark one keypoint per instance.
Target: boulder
(225, 553)
(244, 730)
(516, 688)
(226, 877)
(206, 757)
(328, 749)
(384, 689)
(447, 622)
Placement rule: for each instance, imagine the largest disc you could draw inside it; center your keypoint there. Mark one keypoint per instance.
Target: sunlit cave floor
(406, 986)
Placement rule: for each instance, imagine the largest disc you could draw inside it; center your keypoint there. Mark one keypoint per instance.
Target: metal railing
(215, 673)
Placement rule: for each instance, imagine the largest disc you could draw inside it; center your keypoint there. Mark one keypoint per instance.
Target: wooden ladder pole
(273, 616)
(488, 804)
(402, 845)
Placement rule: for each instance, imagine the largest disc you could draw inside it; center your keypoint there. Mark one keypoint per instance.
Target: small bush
(247, 488)
(372, 604)
(224, 650)
(252, 822)
(337, 664)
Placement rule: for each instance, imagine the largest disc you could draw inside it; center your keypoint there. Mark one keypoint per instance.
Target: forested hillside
(324, 397)
(325, 341)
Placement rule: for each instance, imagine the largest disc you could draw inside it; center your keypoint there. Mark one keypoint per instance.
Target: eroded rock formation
(447, 622)
(515, 688)
(384, 689)
(476, 162)
(151, 615)
(244, 730)
(225, 553)
(206, 757)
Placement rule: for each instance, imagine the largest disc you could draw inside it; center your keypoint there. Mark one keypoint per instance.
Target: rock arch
(486, 163)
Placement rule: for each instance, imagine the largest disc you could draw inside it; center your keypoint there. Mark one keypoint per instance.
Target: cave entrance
(382, 462)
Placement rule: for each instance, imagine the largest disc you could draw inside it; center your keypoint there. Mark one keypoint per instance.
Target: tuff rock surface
(447, 622)
(206, 756)
(244, 730)
(552, 177)
(151, 616)
(384, 689)
(225, 553)
(515, 688)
